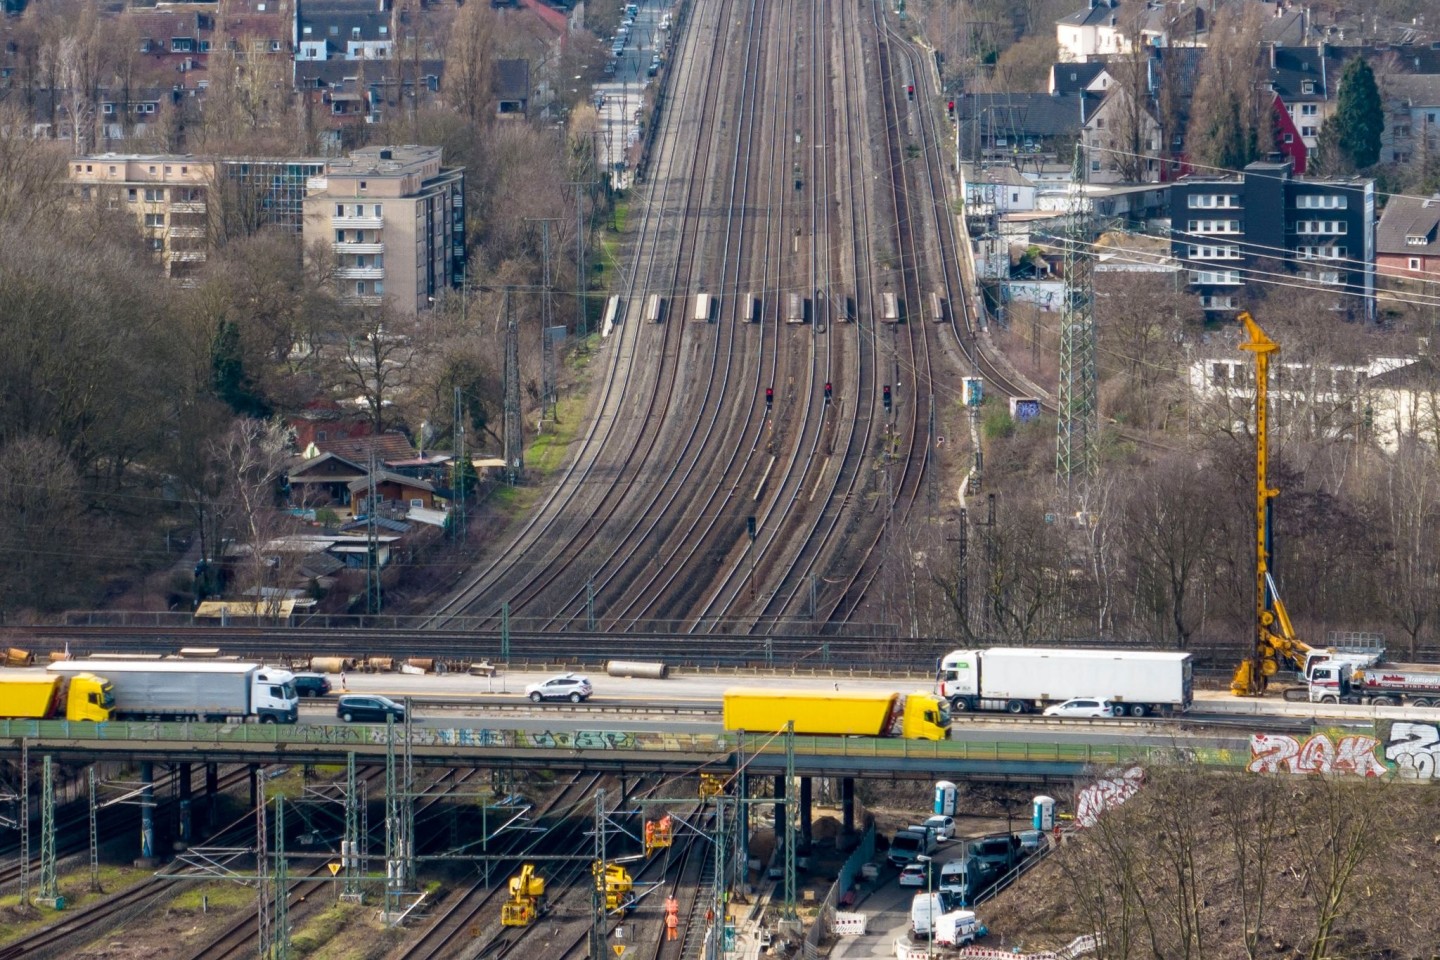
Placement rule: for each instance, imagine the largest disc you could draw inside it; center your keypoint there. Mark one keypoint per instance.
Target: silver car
(567, 686)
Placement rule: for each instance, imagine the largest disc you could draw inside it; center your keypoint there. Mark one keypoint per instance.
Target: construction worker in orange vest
(672, 926)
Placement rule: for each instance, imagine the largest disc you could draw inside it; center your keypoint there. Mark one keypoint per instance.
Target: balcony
(360, 273)
(186, 256)
(198, 232)
(365, 301)
(360, 223)
(359, 248)
(193, 206)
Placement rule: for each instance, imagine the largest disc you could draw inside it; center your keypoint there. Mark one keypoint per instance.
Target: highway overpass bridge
(564, 746)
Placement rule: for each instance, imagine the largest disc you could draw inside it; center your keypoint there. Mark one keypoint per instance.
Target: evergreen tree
(1359, 117)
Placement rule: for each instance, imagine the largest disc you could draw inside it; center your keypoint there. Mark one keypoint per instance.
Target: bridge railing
(160, 734)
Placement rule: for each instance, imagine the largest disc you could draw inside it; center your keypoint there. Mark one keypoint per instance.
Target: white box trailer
(1024, 679)
(186, 690)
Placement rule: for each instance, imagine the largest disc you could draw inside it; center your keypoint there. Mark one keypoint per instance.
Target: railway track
(73, 835)
(60, 938)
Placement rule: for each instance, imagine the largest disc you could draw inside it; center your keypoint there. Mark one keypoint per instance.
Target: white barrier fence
(1078, 947)
(848, 924)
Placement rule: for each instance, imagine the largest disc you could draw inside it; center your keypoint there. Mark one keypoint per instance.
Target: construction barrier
(848, 924)
(905, 950)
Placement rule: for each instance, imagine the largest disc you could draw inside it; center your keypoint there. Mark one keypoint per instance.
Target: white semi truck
(187, 690)
(1027, 679)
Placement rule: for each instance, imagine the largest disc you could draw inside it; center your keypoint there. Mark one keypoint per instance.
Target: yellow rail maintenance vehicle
(527, 898)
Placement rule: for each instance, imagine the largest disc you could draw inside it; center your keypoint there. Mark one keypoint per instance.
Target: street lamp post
(929, 907)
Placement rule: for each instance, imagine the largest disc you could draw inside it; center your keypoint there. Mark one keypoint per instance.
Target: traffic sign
(619, 949)
(334, 868)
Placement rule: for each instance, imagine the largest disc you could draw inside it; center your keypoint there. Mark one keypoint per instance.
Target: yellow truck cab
(925, 717)
(82, 696)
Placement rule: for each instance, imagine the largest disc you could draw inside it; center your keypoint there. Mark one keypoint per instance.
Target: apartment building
(182, 202)
(395, 221)
(1229, 231)
(169, 196)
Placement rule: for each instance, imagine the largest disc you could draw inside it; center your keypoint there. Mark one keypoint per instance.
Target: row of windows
(1322, 201)
(1215, 276)
(1218, 302)
(1213, 226)
(1319, 252)
(1321, 226)
(356, 210)
(1224, 251)
(1225, 201)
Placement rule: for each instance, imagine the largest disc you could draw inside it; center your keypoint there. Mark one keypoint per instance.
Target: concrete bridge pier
(806, 796)
(212, 795)
(186, 803)
(147, 815)
(846, 839)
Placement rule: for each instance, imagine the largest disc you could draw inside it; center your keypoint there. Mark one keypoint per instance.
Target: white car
(1084, 707)
(943, 827)
(567, 686)
(913, 875)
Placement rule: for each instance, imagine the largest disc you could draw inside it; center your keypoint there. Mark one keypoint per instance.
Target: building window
(1322, 201)
(1416, 239)
(339, 209)
(1226, 277)
(108, 109)
(1224, 201)
(1225, 302)
(1321, 226)
(1307, 86)
(379, 287)
(1289, 138)
(1414, 263)
(1307, 131)
(362, 184)
(155, 220)
(1309, 110)
(154, 195)
(1099, 123)
(377, 210)
(359, 288)
(1214, 226)
(132, 195)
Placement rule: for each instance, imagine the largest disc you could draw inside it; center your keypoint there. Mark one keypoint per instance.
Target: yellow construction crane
(1254, 673)
(527, 898)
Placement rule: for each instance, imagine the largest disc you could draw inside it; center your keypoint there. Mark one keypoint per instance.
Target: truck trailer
(913, 716)
(81, 696)
(1026, 679)
(177, 690)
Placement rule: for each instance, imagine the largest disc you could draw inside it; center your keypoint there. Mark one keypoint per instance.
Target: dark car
(368, 707)
(312, 684)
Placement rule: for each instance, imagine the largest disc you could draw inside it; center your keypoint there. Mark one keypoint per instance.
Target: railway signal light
(950, 109)
(769, 397)
(910, 91)
(885, 395)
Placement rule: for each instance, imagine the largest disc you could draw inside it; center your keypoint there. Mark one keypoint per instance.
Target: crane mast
(1254, 673)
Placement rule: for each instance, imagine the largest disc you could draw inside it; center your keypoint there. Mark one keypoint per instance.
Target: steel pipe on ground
(649, 670)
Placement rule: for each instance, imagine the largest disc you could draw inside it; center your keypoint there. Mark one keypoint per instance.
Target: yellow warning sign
(334, 868)
(619, 949)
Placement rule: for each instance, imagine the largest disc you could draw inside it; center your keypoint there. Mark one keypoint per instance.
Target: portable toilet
(945, 798)
(1043, 816)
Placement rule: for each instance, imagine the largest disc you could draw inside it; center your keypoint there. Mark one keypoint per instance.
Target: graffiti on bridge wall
(1408, 750)
(1109, 791)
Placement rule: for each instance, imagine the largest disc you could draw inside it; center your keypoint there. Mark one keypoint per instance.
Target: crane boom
(1254, 673)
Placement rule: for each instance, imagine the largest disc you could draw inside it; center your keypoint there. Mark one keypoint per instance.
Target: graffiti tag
(1414, 748)
(1105, 793)
(1353, 755)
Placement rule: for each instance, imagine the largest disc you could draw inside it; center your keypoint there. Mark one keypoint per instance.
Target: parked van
(910, 843)
(924, 907)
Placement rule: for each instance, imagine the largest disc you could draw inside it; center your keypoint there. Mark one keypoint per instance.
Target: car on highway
(1084, 707)
(567, 686)
(312, 684)
(368, 708)
(913, 875)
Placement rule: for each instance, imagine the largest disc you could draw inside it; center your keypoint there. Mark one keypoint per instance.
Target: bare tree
(470, 62)
(249, 460)
(1410, 499)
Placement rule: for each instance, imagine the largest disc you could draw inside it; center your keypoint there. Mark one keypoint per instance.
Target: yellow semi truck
(81, 696)
(912, 716)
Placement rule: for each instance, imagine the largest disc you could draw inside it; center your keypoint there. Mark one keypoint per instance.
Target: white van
(925, 906)
(952, 878)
